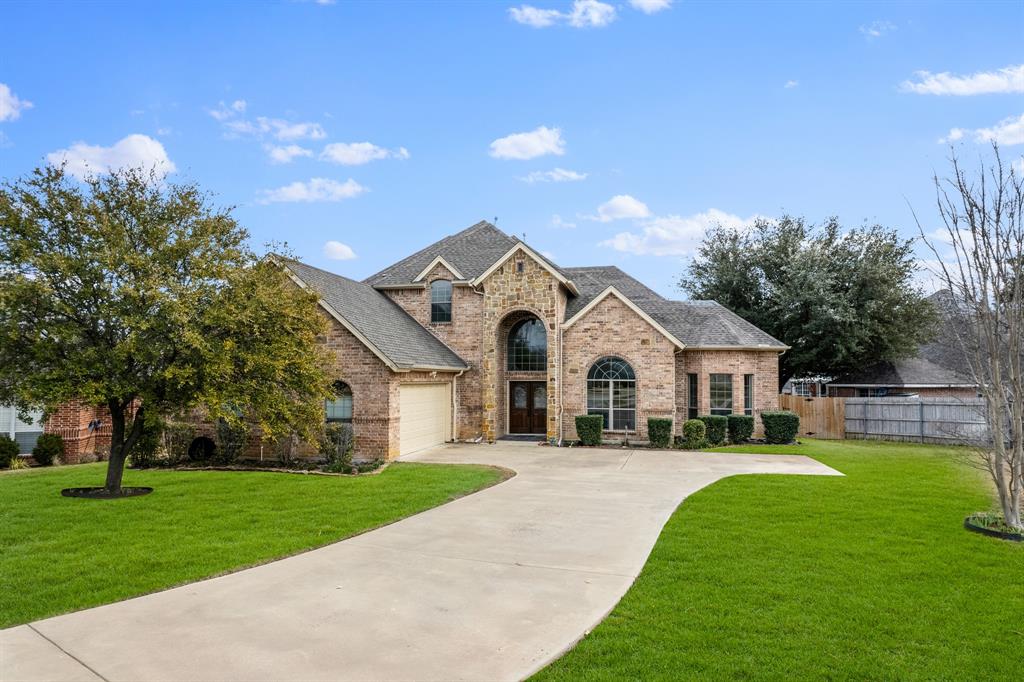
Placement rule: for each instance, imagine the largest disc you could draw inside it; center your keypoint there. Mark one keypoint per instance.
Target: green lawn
(60, 554)
(870, 576)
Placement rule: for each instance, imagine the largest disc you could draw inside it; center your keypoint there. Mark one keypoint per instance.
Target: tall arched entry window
(339, 408)
(527, 346)
(611, 393)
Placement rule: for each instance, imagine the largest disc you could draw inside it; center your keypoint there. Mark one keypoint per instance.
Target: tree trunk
(120, 444)
(115, 465)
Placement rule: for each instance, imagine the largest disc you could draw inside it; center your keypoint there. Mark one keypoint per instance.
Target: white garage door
(426, 416)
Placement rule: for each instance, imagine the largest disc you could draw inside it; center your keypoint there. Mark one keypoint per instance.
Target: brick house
(479, 337)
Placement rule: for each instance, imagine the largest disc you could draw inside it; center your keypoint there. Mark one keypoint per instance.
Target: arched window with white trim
(611, 393)
(339, 408)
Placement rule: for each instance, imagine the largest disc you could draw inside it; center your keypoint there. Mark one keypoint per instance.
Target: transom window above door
(527, 346)
(440, 301)
(611, 393)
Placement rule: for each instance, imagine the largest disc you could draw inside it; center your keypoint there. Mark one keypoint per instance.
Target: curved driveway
(491, 586)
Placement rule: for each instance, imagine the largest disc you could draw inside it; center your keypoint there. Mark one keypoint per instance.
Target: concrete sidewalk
(491, 586)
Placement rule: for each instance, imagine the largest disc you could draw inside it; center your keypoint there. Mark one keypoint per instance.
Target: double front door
(528, 407)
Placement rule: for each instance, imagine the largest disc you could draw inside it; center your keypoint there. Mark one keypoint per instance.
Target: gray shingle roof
(471, 252)
(391, 330)
(694, 323)
(909, 372)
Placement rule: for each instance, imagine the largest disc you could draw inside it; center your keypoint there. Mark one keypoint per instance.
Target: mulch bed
(984, 525)
(104, 494)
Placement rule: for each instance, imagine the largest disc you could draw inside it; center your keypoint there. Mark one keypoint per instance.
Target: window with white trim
(611, 393)
(720, 388)
(339, 408)
(440, 301)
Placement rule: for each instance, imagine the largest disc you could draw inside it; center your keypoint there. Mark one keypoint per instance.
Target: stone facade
(518, 286)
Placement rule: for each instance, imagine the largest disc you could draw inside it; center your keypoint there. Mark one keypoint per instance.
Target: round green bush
(589, 427)
(49, 447)
(780, 426)
(659, 431)
(741, 428)
(694, 433)
(8, 451)
(717, 426)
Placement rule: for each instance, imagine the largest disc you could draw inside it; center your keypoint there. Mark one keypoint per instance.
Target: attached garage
(425, 416)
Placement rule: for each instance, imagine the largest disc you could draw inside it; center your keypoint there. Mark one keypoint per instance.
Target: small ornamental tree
(132, 293)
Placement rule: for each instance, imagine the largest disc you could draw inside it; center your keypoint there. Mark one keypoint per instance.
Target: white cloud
(619, 207)
(673, 235)
(358, 153)
(286, 153)
(225, 111)
(1006, 80)
(532, 16)
(650, 6)
(133, 151)
(1018, 165)
(11, 105)
(557, 221)
(524, 146)
(583, 14)
(554, 175)
(338, 251)
(591, 14)
(877, 29)
(791, 84)
(1008, 132)
(317, 189)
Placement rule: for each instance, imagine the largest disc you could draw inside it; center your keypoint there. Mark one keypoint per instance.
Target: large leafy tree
(136, 294)
(840, 298)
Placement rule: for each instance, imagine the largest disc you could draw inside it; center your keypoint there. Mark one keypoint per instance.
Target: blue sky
(608, 133)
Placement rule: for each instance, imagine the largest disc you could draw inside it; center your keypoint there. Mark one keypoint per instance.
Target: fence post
(867, 431)
(920, 417)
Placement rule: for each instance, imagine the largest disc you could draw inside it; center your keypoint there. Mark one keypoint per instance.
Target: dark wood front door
(528, 407)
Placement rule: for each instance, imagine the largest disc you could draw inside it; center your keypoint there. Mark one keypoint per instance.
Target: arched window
(339, 409)
(440, 301)
(611, 393)
(528, 346)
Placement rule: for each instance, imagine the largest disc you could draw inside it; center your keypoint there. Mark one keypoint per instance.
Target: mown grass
(870, 576)
(60, 554)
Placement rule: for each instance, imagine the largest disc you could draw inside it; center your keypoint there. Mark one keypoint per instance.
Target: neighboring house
(23, 433)
(938, 370)
(806, 387)
(478, 337)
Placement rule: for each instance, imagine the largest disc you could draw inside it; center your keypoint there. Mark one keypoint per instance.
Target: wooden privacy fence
(924, 420)
(819, 417)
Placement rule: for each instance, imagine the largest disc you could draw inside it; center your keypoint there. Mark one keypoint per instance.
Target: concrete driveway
(492, 586)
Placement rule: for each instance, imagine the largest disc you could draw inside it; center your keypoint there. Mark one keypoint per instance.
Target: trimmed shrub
(589, 427)
(780, 426)
(741, 427)
(49, 447)
(8, 451)
(659, 431)
(147, 447)
(176, 439)
(694, 434)
(336, 445)
(717, 427)
(231, 439)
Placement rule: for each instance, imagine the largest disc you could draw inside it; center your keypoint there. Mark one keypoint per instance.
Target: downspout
(455, 405)
(561, 391)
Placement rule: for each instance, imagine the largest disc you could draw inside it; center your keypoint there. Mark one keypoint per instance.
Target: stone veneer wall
(463, 335)
(506, 291)
(764, 365)
(612, 328)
